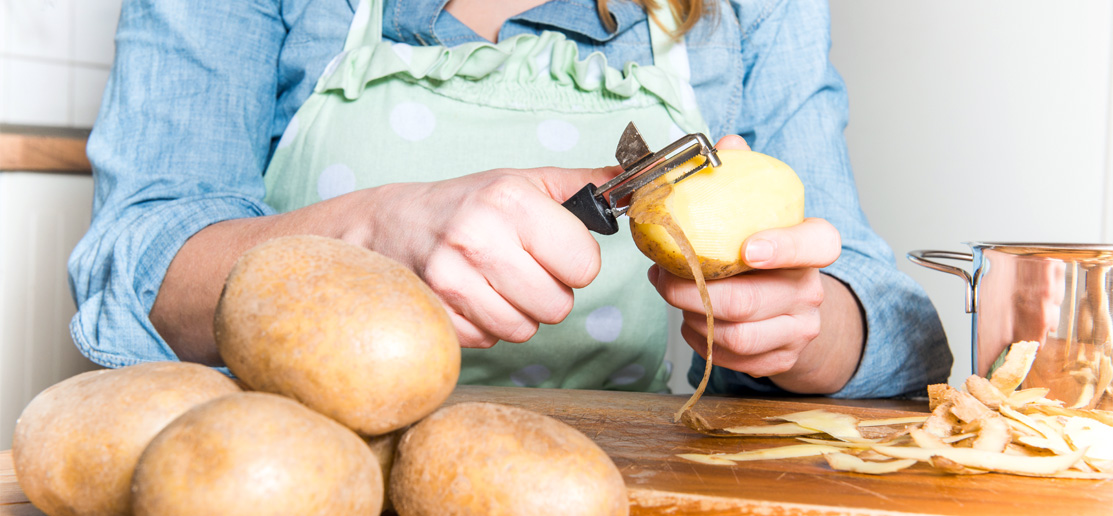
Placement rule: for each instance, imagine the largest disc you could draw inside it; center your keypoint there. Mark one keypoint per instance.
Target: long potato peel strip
(843, 427)
(844, 462)
(642, 211)
(783, 429)
(779, 452)
(989, 461)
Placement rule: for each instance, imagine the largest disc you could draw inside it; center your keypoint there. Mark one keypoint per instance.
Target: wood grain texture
(36, 152)
(637, 431)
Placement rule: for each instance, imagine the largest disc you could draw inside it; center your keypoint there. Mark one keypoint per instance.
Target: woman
(417, 130)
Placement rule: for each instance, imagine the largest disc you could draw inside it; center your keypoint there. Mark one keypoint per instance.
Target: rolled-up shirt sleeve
(180, 143)
(795, 108)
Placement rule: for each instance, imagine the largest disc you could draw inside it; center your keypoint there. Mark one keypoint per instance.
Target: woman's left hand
(764, 318)
(785, 319)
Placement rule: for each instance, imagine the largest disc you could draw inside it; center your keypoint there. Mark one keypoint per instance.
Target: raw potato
(486, 459)
(384, 446)
(76, 444)
(718, 208)
(257, 454)
(346, 331)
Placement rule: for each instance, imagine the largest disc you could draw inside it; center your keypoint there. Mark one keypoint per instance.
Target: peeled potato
(346, 331)
(260, 454)
(486, 459)
(717, 209)
(77, 443)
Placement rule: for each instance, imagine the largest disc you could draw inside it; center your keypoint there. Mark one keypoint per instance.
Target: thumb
(732, 141)
(562, 183)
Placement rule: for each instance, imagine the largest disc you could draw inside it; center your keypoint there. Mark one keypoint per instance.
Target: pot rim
(1043, 245)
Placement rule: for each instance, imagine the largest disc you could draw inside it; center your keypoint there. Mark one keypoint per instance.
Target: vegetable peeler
(640, 166)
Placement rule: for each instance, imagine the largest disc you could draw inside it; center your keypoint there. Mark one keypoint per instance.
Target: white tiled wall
(54, 60)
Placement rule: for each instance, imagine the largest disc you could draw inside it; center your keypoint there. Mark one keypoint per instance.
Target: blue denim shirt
(201, 91)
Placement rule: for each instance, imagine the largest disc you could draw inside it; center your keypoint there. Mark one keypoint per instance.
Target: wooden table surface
(638, 433)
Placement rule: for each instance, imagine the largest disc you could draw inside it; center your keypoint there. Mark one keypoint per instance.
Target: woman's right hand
(497, 247)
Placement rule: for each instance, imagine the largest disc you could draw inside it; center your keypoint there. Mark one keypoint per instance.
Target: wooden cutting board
(638, 433)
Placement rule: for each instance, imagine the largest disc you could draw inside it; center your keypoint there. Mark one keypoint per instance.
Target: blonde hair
(685, 12)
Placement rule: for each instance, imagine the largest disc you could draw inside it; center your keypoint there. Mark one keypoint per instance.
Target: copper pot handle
(922, 257)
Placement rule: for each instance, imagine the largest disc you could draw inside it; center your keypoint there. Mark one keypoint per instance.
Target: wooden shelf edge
(34, 152)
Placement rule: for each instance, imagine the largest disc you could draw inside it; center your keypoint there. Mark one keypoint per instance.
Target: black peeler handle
(593, 210)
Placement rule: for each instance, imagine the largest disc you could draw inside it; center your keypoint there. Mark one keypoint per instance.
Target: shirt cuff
(112, 327)
(906, 348)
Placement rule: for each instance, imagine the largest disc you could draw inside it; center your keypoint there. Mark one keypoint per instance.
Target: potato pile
(345, 358)
(76, 444)
(990, 426)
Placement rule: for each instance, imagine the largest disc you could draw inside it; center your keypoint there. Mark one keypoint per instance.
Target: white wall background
(54, 60)
(977, 120)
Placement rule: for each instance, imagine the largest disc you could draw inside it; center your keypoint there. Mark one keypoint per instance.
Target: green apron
(387, 112)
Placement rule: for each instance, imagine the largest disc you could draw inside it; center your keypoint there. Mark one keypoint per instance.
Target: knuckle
(444, 285)
(773, 364)
(814, 294)
(507, 193)
(740, 302)
(732, 336)
(471, 245)
(810, 330)
(782, 362)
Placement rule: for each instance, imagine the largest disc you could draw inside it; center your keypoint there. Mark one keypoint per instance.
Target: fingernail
(759, 251)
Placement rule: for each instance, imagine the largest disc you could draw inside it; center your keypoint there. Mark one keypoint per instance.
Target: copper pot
(1056, 294)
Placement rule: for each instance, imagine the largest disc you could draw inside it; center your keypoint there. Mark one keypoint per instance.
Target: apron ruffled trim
(520, 62)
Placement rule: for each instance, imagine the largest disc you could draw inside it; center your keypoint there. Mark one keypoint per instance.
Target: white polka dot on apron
(530, 376)
(627, 375)
(403, 51)
(412, 121)
(335, 180)
(557, 135)
(289, 134)
(604, 324)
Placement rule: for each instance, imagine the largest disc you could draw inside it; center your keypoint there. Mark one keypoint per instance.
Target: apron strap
(668, 53)
(367, 25)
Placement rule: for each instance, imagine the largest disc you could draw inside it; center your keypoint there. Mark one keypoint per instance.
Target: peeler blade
(640, 166)
(631, 148)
